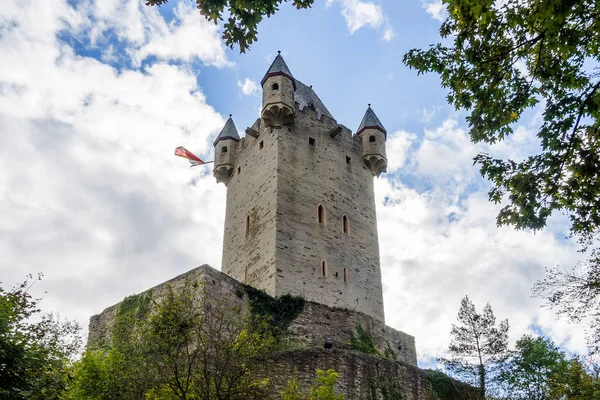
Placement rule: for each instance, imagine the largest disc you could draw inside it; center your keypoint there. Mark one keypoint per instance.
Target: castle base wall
(317, 325)
(362, 377)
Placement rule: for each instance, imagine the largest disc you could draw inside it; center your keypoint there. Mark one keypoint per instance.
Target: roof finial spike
(230, 115)
(369, 105)
(278, 51)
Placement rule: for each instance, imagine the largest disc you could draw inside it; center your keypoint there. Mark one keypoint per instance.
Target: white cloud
(388, 34)
(358, 14)
(439, 242)
(436, 9)
(248, 86)
(187, 37)
(90, 192)
(398, 145)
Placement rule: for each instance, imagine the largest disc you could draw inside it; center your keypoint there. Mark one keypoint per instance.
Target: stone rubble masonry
(316, 325)
(279, 180)
(360, 375)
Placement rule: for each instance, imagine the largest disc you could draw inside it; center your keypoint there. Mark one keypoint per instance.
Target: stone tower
(300, 215)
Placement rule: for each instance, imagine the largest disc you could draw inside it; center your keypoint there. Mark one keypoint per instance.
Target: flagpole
(206, 162)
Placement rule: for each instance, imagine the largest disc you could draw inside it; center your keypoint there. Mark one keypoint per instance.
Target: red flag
(185, 153)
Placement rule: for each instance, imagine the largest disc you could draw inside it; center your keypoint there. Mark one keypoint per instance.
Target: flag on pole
(185, 153)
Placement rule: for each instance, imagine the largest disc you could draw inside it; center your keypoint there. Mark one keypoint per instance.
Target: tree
(241, 27)
(526, 374)
(574, 383)
(118, 369)
(477, 344)
(575, 294)
(323, 388)
(184, 345)
(499, 59)
(200, 349)
(35, 357)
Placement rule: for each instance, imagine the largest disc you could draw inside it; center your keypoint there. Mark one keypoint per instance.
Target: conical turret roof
(370, 121)
(279, 67)
(229, 131)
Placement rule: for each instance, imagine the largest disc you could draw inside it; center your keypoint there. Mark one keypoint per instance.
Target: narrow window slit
(321, 214)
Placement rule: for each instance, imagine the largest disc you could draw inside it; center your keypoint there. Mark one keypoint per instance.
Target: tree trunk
(482, 380)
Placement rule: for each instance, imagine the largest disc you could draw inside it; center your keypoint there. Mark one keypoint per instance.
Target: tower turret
(278, 94)
(225, 152)
(373, 136)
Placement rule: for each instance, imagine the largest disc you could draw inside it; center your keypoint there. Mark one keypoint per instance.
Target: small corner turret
(278, 94)
(225, 152)
(373, 136)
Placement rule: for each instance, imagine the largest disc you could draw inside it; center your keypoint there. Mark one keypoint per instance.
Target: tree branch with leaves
(243, 16)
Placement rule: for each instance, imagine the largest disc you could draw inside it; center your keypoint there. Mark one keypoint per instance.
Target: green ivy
(363, 342)
(389, 353)
(443, 386)
(280, 311)
(384, 389)
(136, 305)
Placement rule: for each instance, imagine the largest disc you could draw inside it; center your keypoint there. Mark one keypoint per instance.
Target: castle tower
(373, 136)
(225, 152)
(300, 214)
(278, 87)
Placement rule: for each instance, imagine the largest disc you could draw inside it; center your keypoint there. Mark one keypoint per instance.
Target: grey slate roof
(278, 67)
(229, 131)
(305, 96)
(370, 120)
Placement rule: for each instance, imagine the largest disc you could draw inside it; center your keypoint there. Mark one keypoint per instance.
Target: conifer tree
(477, 344)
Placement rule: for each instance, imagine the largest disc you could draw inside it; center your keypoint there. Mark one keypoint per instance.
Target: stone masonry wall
(317, 323)
(362, 377)
(252, 191)
(358, 372)
(328, 172)
(215, 284)
(279, 180)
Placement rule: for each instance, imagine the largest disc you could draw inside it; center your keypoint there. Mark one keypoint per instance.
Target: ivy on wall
(443, 387)
(280, 311)
(363, 342)
(384, 389)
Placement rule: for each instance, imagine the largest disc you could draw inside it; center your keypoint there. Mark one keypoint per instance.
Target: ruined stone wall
(328, 172)
(362, 377)
(215, 285)
(316, 324)
(319, 324)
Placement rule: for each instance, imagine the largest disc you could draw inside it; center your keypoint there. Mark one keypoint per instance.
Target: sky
(95, 96)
